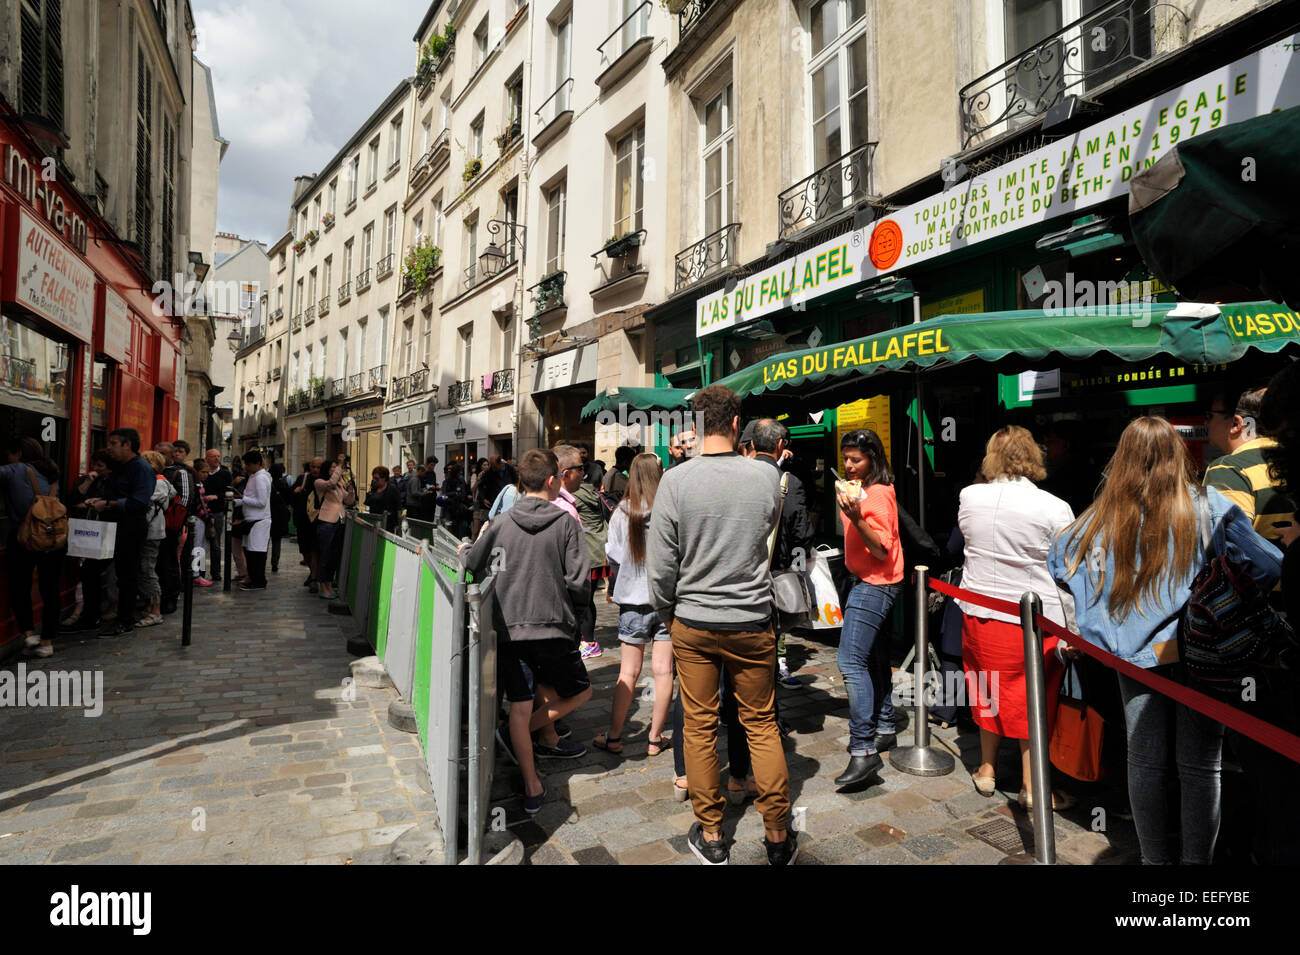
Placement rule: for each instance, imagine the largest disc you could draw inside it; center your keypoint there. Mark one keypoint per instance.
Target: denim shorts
(639, 624)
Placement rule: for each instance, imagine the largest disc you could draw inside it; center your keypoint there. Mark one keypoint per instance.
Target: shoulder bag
(789, 587)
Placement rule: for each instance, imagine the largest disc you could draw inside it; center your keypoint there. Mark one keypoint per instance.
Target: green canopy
(1221, 211)
(639, 399)
(1190, 333)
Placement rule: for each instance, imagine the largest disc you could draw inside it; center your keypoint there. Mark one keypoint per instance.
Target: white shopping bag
(95, 540)
(826, 612)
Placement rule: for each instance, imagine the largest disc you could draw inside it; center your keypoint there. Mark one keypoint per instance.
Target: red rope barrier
(1275, 738)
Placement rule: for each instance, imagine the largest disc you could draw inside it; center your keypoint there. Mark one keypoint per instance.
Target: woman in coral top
(873, 554)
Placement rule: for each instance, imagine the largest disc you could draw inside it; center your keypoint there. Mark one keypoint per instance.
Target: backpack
(178, 508)
(1227, 631)
(609, 502)
(45, 528)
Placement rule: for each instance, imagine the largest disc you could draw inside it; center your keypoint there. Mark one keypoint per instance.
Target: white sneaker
(39, 650)
(31, 640)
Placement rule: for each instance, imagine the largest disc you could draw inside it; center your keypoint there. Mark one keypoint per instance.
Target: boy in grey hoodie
(540, 559)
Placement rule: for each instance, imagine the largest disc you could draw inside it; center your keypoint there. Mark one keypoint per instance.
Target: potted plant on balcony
(327, 220)
(419, 264)
(299, 247)
(473, 167)
(674, 6)
(621, 246)
(508, 135)
(549, 291)
(312, 236)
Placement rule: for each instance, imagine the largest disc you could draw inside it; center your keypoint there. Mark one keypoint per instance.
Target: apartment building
(483, 241)
(239, 303)
(598, 199)
(340, 289)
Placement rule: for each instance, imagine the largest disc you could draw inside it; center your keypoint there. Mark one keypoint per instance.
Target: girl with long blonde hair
(638, 623)
(1129, 561)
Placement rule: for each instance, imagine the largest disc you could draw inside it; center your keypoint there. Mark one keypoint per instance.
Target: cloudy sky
(293, 80)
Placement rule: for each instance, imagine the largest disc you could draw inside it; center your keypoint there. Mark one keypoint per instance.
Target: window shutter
(31, 43)
(143, 163)
(54, 61)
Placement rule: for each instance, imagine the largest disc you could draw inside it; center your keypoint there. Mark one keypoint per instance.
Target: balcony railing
(549, 292)
(384, 268)
(416, 382)
(460, 393)
(336, 388)
(345, 292)
(635, 27)
(295, 323)
(690, 15)
(499, 383)
(397, 390)
(356, 383)
(277, 314)
(378, 375)
(324, 307)
(316, 395)
(837, 186)
(555, 105)
(309, 315)
(406, 288)
(441, 148)
(1077, 58)
(710, 255)
(363, 280)
(471, 277)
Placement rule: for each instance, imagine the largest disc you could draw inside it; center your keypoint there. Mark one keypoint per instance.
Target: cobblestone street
(241, 749)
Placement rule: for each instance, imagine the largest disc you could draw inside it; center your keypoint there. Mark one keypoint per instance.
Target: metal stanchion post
(921, 759)
(188, 618)
(475, 815)
(230, 514)
(1039, 767)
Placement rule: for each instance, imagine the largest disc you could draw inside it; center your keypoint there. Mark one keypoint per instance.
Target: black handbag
(790, 590)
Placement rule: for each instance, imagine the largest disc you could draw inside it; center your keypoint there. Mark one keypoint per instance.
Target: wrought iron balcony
(406, 289)
(552, 110)
(635, 27)
(471, 277)
(378, 375)
(356, 383)
(836, 187)
(277, 314)
(499, 383)
(345, 292)
(1078, 58)
(709, 256)
(460, 393)
(295, 323)
(416, 382)
(440, 151)
(690, 15)
(275, 374)
(363, 280)
(309, 315)
(336, 388)
(397, 390)
(549, 292)
(324, 307)
(384, 267)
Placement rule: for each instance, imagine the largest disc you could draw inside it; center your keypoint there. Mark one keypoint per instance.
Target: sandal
(681, 793)
(150, 621)
(985, 785)
(610, 744)
(655, 747)
(1061, 801)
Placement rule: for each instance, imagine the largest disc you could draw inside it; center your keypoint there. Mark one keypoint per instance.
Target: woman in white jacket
(150, 588)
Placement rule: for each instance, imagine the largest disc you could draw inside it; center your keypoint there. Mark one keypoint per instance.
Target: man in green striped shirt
(1241, 474)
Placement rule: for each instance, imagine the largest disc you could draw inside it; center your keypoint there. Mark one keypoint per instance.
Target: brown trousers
(750, 659)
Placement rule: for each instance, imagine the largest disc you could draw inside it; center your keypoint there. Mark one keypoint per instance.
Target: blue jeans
(1198, 751)
(864, 664)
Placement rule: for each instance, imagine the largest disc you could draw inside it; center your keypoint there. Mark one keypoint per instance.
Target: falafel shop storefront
(82, 346)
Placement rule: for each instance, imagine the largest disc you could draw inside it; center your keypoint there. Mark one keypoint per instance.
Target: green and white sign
(1075, 173)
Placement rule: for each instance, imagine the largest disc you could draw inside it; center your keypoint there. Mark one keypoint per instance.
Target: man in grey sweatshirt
(707, 567)
(540, 558)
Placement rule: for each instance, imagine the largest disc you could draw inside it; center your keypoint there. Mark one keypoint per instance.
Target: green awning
(1221, 211)
(638, 399)
(1190, 333)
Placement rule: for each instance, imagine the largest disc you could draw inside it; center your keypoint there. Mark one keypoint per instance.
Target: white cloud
(293, 80)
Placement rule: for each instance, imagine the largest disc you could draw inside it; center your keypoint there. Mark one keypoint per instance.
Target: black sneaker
(116, 630)
(783, 853)
(81, 626)
(563, 749)
(533, 804)
(563, 730)
(503, 742)
(252, 586)
(709, 853)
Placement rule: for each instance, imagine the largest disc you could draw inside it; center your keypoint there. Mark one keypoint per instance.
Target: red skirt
(993, 654)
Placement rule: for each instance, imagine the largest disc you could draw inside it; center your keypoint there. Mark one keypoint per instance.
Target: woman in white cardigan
(1008, 524)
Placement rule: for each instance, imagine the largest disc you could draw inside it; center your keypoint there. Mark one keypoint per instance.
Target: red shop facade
(83, 348)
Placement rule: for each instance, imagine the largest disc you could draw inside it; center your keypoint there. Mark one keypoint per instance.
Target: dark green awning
(1195, 334)
(638, 399)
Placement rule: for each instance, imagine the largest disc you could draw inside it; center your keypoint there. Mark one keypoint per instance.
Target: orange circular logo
(886, 244)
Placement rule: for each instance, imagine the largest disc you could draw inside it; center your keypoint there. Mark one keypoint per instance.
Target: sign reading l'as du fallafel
(52, 281)
(1074, 173)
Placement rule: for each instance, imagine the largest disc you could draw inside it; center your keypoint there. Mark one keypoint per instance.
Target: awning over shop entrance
(638, 399)
(1191, 333)
(1222, 210)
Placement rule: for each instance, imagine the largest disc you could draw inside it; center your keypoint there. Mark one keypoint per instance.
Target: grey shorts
(639, 625)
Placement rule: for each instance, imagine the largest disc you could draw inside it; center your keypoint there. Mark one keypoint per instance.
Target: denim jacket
(1149, 637)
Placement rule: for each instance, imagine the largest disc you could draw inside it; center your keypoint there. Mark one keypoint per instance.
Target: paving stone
(596, 855)
(347, 842)
(81, 850)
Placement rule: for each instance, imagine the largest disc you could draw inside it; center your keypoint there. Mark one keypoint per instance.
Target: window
(329, 276)
(555, 228)
(476, 136)
(361, 345)
(320, 361)
(144, 161)
(302, 224)
(382, 340)
(426, 135)
(838, 67)
(168, 198)
(437, 220)
(343, 354)
(41, 49)
(334, 194)
(373, 167)
(515, 101)
(311, 288)
(279, 296)
(510, 207)
(480, 44)
(408, 328)
(629, 187)
(307, 369)
(718, 136)
(427, 335)
(347, 261)
(508, 340)
(634, 27)
(293, 369)
(563, 41)
(315, 213)
(471, 245)
(299, 306)
(390, 230)
(353, 174)
(466, 350)
(444, 120)
(395, 147)
(367, 245)
(417, 228)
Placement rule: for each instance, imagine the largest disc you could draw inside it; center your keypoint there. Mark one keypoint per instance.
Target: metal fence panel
(346, 566)
(359, 601)
(446, 641)
(377, 619)
(399, 647)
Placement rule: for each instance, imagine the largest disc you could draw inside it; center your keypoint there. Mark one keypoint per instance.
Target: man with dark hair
(1241, 475)
(130, 487)
(708, 574)
(257, 513)
(536, 608)
(215, 486)
(794, 534)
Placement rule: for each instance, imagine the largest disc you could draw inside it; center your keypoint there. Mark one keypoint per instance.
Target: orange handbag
(1076, 737)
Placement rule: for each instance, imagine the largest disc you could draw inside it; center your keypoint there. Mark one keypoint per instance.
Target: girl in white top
(150, 588)
(638, 623)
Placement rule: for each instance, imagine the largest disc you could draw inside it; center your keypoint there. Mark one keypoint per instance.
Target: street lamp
(492, 260)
